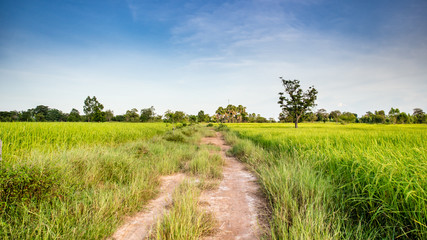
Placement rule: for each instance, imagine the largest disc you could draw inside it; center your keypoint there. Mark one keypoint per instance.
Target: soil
(140, 225)
(237, 203)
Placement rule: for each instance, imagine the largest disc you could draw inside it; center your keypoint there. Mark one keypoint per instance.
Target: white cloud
(237, 51)
(252, 45)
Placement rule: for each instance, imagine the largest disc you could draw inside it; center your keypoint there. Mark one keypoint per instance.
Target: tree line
(297, 104)
(394, 116)
(94, 112)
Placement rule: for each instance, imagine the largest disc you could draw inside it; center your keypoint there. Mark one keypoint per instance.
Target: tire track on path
(140, 225)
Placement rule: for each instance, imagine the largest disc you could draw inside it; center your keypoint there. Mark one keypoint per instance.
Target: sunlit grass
(75, 182)
(376, 174)
(20, 138)
(185, 220)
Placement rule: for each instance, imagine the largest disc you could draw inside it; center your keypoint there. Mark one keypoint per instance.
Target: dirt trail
(236, 203)
(139, 225)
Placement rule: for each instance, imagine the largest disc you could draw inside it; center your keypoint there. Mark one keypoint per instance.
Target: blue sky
(198, 55)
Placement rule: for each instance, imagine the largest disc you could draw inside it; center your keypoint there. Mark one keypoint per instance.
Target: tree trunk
(296, 121)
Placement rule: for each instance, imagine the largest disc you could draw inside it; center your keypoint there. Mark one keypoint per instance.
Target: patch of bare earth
(237, 203)
(140, 225)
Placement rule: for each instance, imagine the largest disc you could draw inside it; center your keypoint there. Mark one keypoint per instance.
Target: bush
(189, 131)
(222, 127)
(174, 136)
(25, 183)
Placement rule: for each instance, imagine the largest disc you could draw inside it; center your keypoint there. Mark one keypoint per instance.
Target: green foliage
(40, 112)
(348, 117)
(174, 117)
(74, 116)
(11, 116)
(93, 110)
(221, 127)
(322, 115)
(298, 102)
(147, 114)
(393, 113)
(202, 117)
(335, 115)
(231, 114)
(132, 115)
(54, 115)
(19, 184)
(174, 136)
(419, 116)
(109, 115)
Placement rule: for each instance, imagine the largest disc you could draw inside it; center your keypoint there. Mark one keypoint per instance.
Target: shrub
(222, 127)
(174, 136)
(25, 183)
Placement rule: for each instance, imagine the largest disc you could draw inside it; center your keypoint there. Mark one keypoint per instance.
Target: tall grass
(185, 220)
(82, 189)
(376, 175)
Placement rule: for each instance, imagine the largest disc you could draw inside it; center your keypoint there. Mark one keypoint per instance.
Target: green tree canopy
(132, 115)
(298, 102)
(109, 115)
(74, 116)
(231, 114)
(147, 114)
(420, 116)
(93, 110)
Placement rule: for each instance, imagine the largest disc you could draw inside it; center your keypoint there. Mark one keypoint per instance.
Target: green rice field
(20, 138)
(364, 181)
(78, 180)
(321, 181)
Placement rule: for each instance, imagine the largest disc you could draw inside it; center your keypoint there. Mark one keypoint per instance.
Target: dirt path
(236, 203)
(139, 226)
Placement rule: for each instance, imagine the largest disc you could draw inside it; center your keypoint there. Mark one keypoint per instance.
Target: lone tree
(93, 110)
(298, 102)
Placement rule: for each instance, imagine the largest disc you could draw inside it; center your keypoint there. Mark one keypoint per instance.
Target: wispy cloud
(264, 40)
(212, 51)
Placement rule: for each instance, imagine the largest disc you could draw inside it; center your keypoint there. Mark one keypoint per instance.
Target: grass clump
(206, 165)
(185, 220)
(175, 136)
(189, 134)
(222, 127)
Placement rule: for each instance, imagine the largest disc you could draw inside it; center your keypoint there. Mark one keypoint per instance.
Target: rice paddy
(375, 176)
(322, 181)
